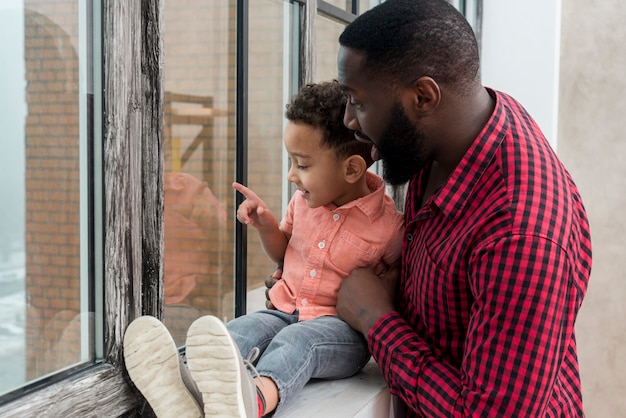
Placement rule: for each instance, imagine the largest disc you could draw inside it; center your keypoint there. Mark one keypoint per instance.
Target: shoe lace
(253, 354)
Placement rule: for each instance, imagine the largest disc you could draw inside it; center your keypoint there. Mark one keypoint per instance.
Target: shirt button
(321, 244)
(313, 273)
(304, 302)
(336, 217)
(409, 237)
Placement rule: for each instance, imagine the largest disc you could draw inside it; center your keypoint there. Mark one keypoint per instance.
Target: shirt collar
(453, 196)
(372, 204)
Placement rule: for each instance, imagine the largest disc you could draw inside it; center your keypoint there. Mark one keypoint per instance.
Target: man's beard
(401, 148)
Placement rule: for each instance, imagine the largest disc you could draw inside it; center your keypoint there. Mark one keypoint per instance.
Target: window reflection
(199, 146)
(200, 139)
(272, 72)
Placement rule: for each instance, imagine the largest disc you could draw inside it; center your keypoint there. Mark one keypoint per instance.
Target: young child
(338, 220)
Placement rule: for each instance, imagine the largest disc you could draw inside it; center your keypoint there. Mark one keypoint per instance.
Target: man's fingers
(269, 282)
(277, 275)
(247, 193)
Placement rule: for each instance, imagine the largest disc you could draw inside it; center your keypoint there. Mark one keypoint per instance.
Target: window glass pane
(365, 5)
(342, 4)
(327, 39)
(327, 47)
(272, 80)
(199, 139)
(44, 113)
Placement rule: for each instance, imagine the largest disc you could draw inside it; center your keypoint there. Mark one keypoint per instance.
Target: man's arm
(520, 331)
(364, 298)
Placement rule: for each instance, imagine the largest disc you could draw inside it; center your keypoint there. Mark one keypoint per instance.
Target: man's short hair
(406, 39)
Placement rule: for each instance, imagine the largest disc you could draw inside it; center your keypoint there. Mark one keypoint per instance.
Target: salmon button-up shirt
(328, 242)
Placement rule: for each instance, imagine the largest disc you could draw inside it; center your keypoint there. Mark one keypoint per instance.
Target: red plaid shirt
(494, 269)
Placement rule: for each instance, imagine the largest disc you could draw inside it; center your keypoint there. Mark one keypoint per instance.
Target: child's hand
(253, 211)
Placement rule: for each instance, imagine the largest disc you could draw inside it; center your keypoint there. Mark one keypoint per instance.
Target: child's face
(315, 170)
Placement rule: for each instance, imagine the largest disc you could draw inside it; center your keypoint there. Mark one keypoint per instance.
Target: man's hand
(269, 282)
(364, 297)
(253, 211)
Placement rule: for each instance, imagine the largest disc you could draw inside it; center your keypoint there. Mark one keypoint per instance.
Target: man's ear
(424, 96)
(354, 168)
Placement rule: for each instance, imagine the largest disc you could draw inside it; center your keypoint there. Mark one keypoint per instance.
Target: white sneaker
(216, 366)
(152, 363)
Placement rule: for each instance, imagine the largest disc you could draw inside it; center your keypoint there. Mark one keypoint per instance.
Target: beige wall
(592, 143)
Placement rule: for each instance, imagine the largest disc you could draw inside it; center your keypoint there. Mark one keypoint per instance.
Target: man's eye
(357, 106)
(301, 167)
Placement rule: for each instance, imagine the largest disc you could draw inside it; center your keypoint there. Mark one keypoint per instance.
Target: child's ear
(355, 167)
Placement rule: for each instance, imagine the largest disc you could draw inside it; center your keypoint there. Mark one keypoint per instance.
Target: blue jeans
(294, 352)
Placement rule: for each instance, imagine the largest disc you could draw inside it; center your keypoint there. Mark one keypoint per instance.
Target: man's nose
(349, 118)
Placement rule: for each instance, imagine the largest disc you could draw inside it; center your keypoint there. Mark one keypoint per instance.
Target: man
(497, 251)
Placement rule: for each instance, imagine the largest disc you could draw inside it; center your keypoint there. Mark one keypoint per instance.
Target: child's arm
(254, 212)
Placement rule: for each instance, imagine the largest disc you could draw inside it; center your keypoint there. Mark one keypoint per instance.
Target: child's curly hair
(322, 105)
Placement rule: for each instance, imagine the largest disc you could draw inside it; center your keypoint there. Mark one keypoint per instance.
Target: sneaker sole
(213, 360)
(152, 363)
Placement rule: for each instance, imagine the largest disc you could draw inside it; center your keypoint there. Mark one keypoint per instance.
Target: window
(59, 353)
(327, 31)
(200, 114)
(215, 135)
(47, 301)
(204, 139)
(273, 76)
